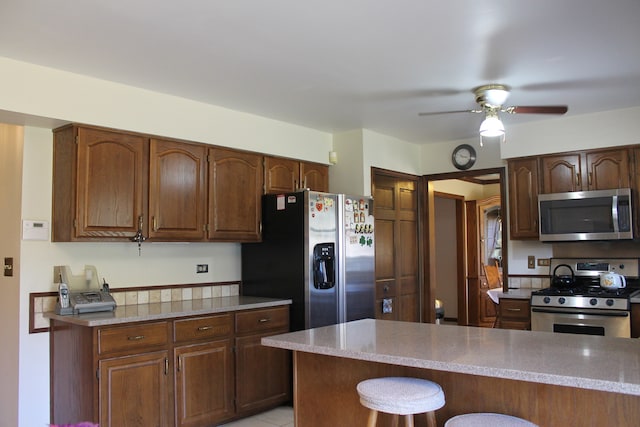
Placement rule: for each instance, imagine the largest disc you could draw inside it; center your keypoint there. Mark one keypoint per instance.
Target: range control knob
(609, 302)
(546, 300)
(562, 300)
(593, 301)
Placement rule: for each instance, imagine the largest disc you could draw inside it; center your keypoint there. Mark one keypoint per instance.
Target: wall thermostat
(35, 230)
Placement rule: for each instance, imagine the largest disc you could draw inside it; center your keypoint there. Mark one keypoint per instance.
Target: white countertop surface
(168, 310)
(496, 293)
(598, 363)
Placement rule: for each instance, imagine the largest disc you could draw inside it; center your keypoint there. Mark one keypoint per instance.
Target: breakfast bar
(550, 379)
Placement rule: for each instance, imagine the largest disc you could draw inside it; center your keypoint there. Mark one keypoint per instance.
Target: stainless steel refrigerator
(318, 250)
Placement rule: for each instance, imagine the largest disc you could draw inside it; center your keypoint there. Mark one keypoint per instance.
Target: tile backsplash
(41, 302)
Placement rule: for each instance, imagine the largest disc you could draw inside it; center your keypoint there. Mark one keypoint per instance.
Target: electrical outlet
(543, 262)
(8, 267)
(531, 261)
(202, 268)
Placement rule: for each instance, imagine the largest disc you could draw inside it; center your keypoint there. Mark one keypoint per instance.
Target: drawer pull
(264, 320)
(386, 288)
(514, 309)
(204, 328)
(136, 338)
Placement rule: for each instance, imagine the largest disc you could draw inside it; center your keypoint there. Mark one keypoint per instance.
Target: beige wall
(11, 142)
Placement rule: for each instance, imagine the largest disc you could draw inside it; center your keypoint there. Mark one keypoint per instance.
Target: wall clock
(463, 156)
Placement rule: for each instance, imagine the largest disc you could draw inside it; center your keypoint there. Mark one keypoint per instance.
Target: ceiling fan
(491, 99)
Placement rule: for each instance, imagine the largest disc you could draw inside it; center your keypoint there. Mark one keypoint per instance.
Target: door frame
(428, 233)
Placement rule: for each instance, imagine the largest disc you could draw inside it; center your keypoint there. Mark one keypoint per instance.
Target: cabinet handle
(264, 320)
(179, 367)
(386, 288)
(514, 309)
(136, 338)
(155, 224)
(590, 177)
(578, 180)
(166, 366)
(204, 328)
(295, 184)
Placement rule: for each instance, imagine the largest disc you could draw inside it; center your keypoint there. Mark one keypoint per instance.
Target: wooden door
(562, 173)
(177, 190)
(204, 383)
(396, 228)
(608, 169)
(134, 391)
(235, 189)
(263, 374)
(281, 175)
(314, 176)
(110, 184)
(523, 198)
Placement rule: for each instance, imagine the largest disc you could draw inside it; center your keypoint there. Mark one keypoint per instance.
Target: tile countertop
(581, 361)
(168, 310)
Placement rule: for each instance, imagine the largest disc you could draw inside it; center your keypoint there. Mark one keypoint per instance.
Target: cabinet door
(262, 375)
(608, 169)
(134, 391)
(110, 183)
(204, 383)
(177, 190)
(562, 173)
(314, 176)
(281, 175)
(235, 189)
(523, 198)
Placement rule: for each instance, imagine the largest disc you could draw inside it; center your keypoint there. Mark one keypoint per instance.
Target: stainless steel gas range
(576, 303)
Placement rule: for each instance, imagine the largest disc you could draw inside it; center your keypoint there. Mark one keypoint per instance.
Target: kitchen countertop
(168, 310)
(579, 361)
(496, 293)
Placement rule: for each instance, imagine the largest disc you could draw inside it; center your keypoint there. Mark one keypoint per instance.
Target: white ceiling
(337, 65)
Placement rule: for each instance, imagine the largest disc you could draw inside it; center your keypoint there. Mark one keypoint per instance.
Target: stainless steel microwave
(586, 215)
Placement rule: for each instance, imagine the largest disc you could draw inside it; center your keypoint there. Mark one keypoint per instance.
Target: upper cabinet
(116, 185)
(99, 184)
(286, 175)
(523, 198)
(235, 187)
(590, 170)
(177, 190)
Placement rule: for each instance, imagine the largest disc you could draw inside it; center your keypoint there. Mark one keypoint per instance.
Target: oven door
(610, 323)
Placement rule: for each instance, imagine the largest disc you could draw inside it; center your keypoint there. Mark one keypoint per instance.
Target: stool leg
(408, 420)
(373, 417)
(431, 419)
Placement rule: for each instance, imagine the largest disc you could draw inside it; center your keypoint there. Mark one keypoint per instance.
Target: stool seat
(487, 419)
(401, 395)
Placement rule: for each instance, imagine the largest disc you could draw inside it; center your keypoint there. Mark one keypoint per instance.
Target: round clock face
(463, 157)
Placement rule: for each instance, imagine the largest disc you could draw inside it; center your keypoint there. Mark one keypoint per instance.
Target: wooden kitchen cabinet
(235, 191)
(283, 175)
(99, 184)
(177, 190)
(523, 198)
(635, 320)
(588, 170)
(514, 313)
(182, 372)
(263, 374)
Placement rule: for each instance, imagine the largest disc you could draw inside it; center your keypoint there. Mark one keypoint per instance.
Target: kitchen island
(549, 379)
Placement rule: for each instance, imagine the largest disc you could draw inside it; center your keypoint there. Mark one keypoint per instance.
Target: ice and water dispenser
(324, 265)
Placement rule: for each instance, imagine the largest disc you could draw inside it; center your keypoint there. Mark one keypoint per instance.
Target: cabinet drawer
(514, 309)
(135, 337)
(262, 320)
(202, 327)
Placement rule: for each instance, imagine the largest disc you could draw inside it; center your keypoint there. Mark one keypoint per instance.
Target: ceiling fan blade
(540, 109)
(449, 112)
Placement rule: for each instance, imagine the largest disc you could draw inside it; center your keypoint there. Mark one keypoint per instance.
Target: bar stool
(487, 419)
(401, 396)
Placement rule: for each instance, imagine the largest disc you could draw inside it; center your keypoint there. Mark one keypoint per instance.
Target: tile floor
(279, 417)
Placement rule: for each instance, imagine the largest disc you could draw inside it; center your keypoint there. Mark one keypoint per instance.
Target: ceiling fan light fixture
(491, 126)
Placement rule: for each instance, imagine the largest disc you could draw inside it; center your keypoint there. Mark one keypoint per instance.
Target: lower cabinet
(185, 372)
(514, 313)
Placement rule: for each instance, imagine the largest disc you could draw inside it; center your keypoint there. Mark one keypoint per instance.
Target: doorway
(446, 185)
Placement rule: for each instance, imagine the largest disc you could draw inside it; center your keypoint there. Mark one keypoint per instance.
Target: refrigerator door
(357, 257)
(322, 253)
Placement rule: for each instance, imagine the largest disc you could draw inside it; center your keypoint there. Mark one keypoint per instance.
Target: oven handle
(589, 313)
